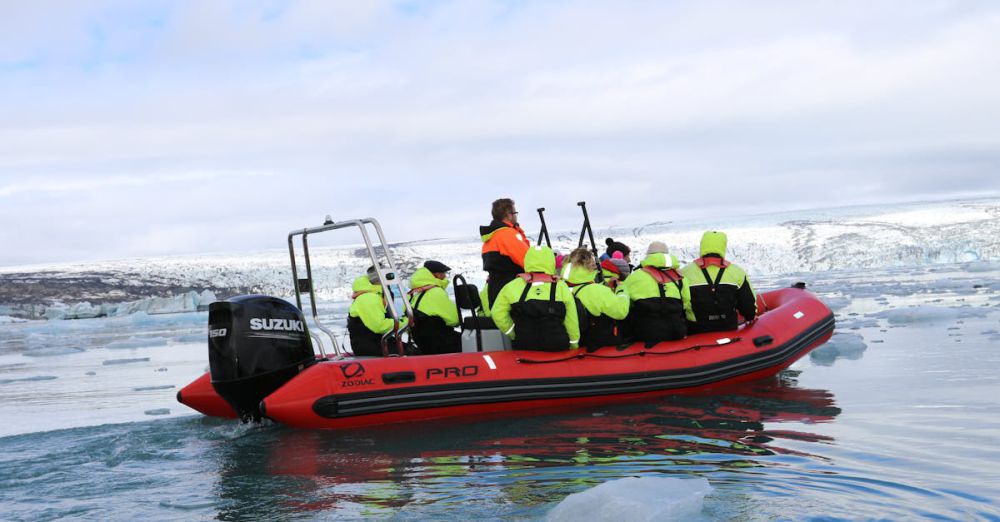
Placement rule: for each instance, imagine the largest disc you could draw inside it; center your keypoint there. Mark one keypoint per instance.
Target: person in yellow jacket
(600, 308)
(536, 309)
(661, 301)
(367, 319)
(718, 288)
(434, 313)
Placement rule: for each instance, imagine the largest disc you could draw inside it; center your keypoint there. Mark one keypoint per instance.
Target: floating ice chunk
(151, 388)
(29, 379)
(158, 411)
(191, 338)
(109, 362)
(856, 324)
(83, 310)
(981, 266)
(842, 345)
(836, 303)
(50, 351)
(6, 319)
(928, 314)
(137, 342)
(636, 498)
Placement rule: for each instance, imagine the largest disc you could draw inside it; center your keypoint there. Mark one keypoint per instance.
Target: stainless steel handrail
(384, 281)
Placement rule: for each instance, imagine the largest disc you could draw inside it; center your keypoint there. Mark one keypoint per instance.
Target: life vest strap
(422, 289)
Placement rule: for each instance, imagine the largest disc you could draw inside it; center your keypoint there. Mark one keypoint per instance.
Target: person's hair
(582, 257)
(501, 207)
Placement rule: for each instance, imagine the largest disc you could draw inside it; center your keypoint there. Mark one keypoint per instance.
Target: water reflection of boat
(378, 466)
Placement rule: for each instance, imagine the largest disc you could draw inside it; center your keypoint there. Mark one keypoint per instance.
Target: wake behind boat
(263, 364)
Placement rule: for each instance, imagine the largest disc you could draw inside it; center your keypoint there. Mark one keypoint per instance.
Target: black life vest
(595, 331)
(430, 332)
(538, 323)
(661, 318)
(714, 305)
(363, 340)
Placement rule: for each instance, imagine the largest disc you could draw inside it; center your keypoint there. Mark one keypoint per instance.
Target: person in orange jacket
(504, 247)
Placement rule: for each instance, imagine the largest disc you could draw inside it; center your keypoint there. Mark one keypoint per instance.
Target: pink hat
(559, 260)
(618, 255)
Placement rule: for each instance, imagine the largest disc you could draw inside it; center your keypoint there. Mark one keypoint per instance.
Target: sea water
(895, 418)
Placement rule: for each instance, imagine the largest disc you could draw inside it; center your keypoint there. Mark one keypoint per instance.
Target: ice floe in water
(981, 266)
(151, 388)
(29, 379)
(191, 338)
(636, 498)
(6, 319)
(110, 362)
(137, 342)
(928, 314)
(50, 351)
(844, 345)
(158, 411)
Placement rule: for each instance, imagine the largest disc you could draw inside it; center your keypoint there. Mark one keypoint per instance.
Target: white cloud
(372, 108)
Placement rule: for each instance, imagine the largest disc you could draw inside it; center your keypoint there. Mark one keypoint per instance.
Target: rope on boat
(640, 353)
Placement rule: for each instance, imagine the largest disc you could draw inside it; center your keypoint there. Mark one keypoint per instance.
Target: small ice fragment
(636, 498)
(158, 411)
(29, 379)
(125, 361)
(151, 388)
(137, 342)
(50, 351)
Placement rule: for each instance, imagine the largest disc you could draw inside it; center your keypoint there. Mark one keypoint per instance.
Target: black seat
(467, 298)
(478, 323)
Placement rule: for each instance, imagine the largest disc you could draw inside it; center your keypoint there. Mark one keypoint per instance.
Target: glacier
(854, 238)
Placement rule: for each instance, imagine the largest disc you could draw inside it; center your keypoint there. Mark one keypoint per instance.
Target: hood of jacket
(580, 274)
(713, 242)
(424, 277)
(362, 284)
(661, 260)
(540, 259)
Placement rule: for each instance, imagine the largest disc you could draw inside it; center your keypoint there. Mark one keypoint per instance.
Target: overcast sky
(150, 128)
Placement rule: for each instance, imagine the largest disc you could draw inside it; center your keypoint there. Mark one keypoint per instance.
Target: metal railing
(387, 277)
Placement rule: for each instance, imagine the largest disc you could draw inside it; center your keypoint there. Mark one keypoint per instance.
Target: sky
(133, 129)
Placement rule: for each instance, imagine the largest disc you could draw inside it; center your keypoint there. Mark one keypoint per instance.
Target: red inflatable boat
(342, 392)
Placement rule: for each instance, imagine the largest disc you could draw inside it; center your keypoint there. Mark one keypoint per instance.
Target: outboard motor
(256, 343)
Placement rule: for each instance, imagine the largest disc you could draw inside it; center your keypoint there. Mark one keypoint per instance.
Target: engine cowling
(256, 343)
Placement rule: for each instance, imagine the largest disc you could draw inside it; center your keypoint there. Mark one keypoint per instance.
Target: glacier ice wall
(772, 244)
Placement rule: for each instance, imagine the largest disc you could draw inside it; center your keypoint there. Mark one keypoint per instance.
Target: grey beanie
(657, 247)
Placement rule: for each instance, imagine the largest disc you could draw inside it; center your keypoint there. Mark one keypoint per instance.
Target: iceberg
(636, 498)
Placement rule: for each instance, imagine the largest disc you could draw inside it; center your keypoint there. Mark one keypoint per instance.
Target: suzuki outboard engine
(256, 343)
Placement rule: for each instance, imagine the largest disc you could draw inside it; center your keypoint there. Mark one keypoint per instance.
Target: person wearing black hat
(615, 246)
(434, 314)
